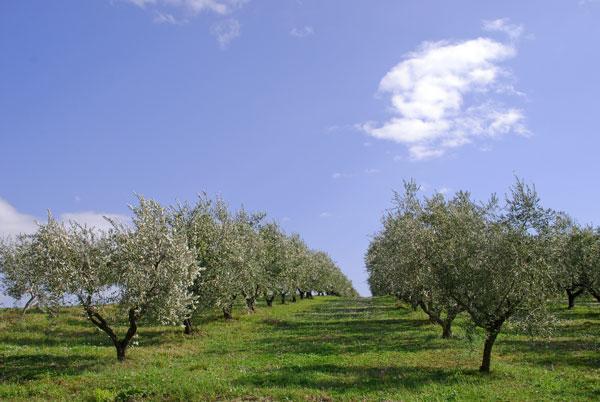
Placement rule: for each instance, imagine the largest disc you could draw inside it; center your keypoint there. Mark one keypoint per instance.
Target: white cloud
(191, 7)
(12, 222)
(324, 215)
(338, 175)
(441, 97)
(302, 32)
(225, 31)
(166, 18)
(513, 31)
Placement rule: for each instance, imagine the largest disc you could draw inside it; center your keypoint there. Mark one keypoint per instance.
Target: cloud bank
(443, 95)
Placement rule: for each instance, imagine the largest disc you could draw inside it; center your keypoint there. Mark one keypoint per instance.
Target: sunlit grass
(321, 349)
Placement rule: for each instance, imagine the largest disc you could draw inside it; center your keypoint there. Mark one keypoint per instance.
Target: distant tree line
(494, 261)
(166, 266)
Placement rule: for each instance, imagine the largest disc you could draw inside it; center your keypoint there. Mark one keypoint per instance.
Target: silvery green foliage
(243, 257)
(275, 261)
(489, 260)
(155, 267)
(23, 273)
(404, 257)
(145, 269)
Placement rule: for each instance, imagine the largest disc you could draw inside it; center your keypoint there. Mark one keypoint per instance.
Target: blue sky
(313, 111)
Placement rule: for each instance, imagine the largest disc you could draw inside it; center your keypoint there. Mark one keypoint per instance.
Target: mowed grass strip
(322, 349)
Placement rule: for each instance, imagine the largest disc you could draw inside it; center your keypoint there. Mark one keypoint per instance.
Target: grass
(316, 350)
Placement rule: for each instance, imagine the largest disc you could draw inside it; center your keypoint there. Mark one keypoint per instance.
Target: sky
(312, 111)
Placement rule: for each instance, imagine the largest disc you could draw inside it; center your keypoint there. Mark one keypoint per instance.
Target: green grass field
(316, 350)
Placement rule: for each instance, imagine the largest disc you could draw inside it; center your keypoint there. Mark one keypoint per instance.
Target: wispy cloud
(339, 175)
(514, 31)
(325, 215)
(225, 31)
(178, 12)
(442, 97)
(372, 171)
(166, 18)
(302, 32)
(190, 7)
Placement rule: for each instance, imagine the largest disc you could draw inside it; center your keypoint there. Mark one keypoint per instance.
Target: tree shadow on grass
(336, 378)
(335, 327)
(571, 352)
(21, 368)
(73, 336)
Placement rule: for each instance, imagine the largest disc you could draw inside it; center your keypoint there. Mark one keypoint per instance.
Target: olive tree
(500, 269)
(144, 270)
(24, 275)
(406, 256)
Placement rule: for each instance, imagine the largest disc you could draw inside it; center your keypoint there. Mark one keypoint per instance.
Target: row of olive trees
(165, 266)
(496, 262)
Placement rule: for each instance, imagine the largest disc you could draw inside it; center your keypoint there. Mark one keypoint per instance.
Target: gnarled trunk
(283, 298)
(487, 351)
(269, 300)
(29, 303)
(250, 301)
(227, 312)
(188, 327)
(100, 322)
(447, 329)
(572, 295)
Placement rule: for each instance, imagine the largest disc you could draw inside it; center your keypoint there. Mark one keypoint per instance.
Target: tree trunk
(29, 304)
(227, 312)
(188, 326)
(309, 294)
(487, 351)
(595, 294)
(101, 323)
(120, 353)
(301, 294)
(283, 298)
(270, 300)
(250, 305)
(447, 329)
(294, 298)
(572, 295)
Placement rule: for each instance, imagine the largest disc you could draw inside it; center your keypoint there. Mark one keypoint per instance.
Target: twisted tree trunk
(572, 294)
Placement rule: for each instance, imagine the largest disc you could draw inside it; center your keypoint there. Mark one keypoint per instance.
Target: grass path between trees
(316, 350)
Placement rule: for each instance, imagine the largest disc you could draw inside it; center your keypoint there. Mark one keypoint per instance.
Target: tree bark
(101, 323)
(270, 300)
(250, 305)
(301, 294)
(447, 329)
(572, 295)
(487, 351)
(227, 312)
(294, 298)
(309, 294)
(283, 298)
(29, 304)
(188, 327)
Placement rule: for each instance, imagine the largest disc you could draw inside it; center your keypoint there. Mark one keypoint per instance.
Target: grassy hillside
(321, 349)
